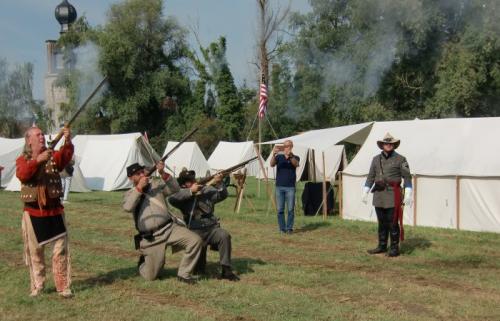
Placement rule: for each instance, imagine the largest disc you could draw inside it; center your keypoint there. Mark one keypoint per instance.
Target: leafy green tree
(18, 109)
(361, 60)
(228, 105)
(141, 53)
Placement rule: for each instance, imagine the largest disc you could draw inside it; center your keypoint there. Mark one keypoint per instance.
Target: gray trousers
(178, 237)
(220, 240)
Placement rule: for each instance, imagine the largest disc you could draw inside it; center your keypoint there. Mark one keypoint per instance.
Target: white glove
(408, 200)
(364, 197)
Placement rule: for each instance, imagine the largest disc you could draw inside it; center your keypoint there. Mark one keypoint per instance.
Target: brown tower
(55, 96)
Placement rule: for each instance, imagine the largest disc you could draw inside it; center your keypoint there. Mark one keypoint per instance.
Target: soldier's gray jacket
(200, 205)
(392, 168)
(153, 212)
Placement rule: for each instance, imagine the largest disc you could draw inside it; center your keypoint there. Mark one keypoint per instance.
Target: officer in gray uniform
(388, 169)
(157, 227)
(197, 203)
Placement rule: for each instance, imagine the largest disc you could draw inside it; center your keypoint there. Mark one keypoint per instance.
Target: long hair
(27, 151)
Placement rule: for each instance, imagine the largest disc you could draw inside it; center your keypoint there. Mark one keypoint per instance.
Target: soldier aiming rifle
(196, 200)
(157, 227)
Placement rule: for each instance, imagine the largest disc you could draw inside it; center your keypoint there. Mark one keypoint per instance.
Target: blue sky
(26, 24)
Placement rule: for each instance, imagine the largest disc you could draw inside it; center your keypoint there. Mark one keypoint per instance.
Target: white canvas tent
(228, 154)
(188, 155)
(310, 161)
(322, 139)
(301, 152)
(104, 158)
(456, 172)
(10, 149)
(311, 145)
(13, 184)
(77, 182)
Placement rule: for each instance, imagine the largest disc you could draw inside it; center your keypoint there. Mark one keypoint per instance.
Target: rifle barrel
(226, 171)
(89, 98)
(54, 142)
(152, 169)
(182, 141)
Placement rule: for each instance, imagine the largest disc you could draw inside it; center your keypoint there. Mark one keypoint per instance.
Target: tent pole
(457, 179)
(266, 176)
(340, 195)
(415, 193)
(325, 204)
(312, 164)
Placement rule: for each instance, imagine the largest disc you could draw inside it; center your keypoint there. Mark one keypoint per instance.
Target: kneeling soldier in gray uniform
(197, 203)
(157, 227)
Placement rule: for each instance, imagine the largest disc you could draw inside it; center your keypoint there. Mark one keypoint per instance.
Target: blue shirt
(286, 172)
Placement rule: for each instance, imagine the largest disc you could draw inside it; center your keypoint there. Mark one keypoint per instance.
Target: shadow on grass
(409, 245)
(311, 227)
(240, 265)
(245, 265)
(469, 261)
(105, 278)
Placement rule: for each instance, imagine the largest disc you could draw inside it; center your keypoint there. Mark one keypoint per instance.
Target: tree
(222, 98)
(18, 109)
(354, 61)
(142, 54)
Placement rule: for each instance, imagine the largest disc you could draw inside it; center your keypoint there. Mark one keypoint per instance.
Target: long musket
(52, 144)
(207, 180)
(152, 169)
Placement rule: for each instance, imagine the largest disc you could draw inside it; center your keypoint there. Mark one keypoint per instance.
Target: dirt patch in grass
(179, 301)
(13, 259)
(10, 230)
(370, 272)
(104, 250)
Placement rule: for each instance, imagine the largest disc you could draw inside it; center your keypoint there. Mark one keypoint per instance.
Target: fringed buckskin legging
(34, 258)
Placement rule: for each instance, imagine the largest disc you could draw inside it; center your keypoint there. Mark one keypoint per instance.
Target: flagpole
(263, 95)
(260, 153)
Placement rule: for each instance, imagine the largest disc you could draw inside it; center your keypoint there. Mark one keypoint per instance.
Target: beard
(38, 148)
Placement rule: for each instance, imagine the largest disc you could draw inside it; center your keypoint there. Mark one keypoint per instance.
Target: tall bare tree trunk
(269, 24)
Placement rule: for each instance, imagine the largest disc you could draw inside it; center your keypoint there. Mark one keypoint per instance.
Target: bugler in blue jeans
(286, 163)
(285, 195)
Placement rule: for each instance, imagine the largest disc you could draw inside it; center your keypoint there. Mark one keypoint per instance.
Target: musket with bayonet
(52, 144)
(152, 169)
(209, 179)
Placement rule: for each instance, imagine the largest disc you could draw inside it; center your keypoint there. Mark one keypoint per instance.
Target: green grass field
(321, 272)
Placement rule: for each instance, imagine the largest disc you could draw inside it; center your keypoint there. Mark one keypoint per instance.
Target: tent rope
(270, 125)
(253, 124)
(323, 201)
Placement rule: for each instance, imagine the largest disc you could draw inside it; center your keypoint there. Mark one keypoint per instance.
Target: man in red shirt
(43, 218)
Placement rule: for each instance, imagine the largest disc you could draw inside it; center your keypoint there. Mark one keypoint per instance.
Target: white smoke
(86, 64)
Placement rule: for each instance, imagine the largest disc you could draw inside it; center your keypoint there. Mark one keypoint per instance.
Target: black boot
(394, 251)
(383, 235)
(227, 274)
(379, 249)
(200, 267)
(141, 260)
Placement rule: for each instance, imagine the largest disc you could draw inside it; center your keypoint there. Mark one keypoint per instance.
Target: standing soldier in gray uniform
(387, 171)
(197, 203)
(157, 227)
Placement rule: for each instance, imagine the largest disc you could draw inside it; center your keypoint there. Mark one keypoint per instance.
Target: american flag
(263, 100)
